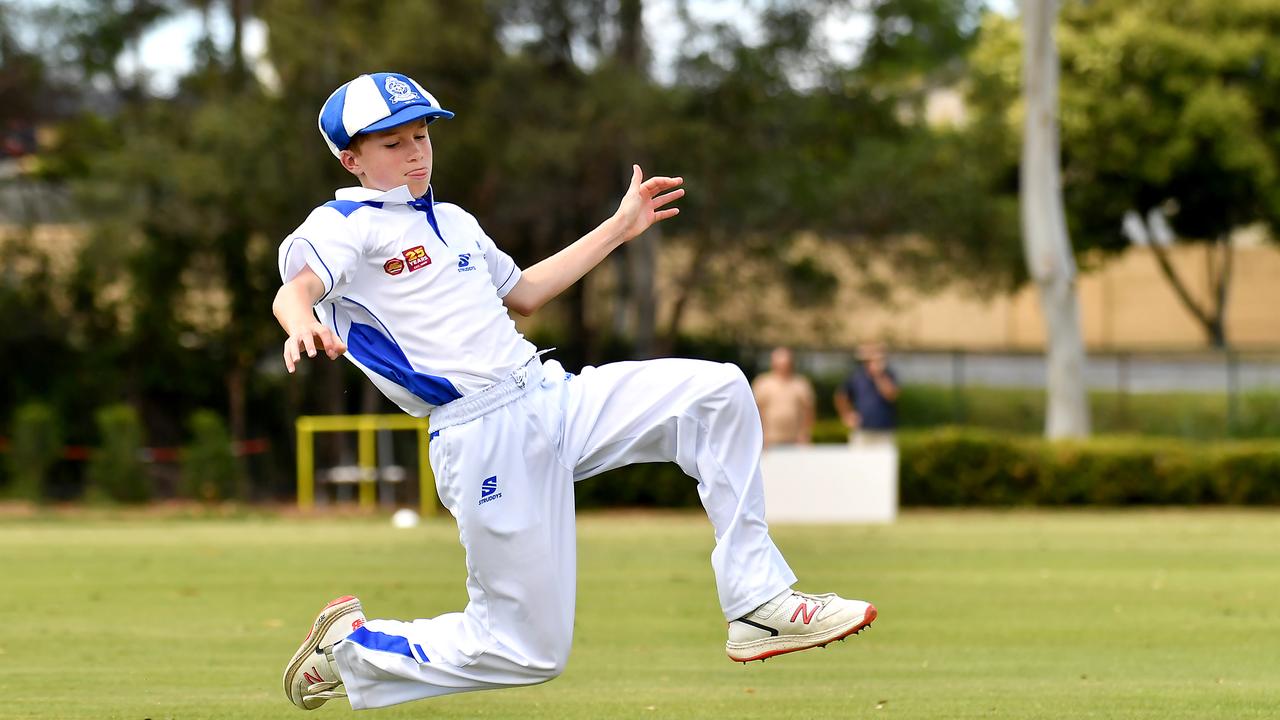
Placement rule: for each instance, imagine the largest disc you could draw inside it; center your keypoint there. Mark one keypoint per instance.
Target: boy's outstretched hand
(642, 206)
(292, 307)
(305, 339)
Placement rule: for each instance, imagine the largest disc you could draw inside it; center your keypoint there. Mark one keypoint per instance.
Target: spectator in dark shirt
(867, 400)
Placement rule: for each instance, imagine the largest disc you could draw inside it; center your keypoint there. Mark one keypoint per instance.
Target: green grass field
(982, 615)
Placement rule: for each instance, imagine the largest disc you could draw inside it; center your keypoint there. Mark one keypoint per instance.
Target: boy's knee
(735, 382)
(735, 375)
(555, 670)
(550, 666)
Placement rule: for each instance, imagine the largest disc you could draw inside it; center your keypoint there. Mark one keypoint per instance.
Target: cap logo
(399, 90)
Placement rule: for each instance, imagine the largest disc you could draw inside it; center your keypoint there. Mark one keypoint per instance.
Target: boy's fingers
(309, 341)
(332, 345)
(637, 176)
(658, 184)
(289, 351)
(664, 214)
(664, 199)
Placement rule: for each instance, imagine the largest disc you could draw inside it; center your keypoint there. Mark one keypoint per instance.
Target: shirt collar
(395, 195)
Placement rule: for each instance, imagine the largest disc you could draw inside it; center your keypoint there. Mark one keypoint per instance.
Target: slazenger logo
(417, 258)
(399, 90)
(489, 490)
(394, 266)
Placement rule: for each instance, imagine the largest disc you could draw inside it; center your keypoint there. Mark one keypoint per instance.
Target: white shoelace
(325, 691)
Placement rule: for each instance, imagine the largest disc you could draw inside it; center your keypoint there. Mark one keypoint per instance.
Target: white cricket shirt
(414, 288)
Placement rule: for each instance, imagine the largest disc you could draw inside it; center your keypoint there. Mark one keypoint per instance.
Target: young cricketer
(415, 293)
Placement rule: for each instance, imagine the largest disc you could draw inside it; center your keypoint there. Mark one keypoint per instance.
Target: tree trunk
(684, 289)
(644, 264)
(1212, 319)
(1044, 228)
(641, 257)
(237, 419)
(238, 71)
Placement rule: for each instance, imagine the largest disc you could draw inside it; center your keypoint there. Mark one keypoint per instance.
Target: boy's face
(387, 159)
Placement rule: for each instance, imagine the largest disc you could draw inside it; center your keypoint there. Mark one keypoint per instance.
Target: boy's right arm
(292, 308)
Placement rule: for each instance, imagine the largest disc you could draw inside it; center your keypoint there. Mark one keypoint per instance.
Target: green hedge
(209, 470)
(964, 467)
(36, 446)
(968, 467)
(116, 470)
(1204, 416)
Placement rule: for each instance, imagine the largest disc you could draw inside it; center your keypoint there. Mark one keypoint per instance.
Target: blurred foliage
(917, 38)
(185, 195)
(1163, 105)
(116, 471)
(1166, 107)
(209, 470)
(35, 447)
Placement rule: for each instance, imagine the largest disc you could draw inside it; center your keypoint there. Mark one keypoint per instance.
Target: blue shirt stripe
(383, 356)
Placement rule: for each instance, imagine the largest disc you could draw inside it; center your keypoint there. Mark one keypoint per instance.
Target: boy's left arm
(640, 208)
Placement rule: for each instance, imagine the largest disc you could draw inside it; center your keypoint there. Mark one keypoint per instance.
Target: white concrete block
(831, 483)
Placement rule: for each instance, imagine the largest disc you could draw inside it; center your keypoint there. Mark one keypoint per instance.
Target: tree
(1169, 116)
(1044, 230)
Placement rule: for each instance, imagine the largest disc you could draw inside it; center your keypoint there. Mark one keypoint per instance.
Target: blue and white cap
(375, 102)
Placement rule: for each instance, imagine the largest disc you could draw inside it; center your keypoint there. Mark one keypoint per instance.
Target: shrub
(956, 467)
(966, 467)
(35, 447)
(116, 470)
(209, 469)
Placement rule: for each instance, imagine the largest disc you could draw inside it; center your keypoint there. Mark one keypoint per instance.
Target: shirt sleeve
(328, 244)
(503, 271)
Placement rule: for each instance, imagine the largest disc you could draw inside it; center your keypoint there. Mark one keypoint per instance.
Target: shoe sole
(327, 618)
(796, 643)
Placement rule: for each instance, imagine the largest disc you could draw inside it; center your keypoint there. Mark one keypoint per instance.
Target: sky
(165, 52)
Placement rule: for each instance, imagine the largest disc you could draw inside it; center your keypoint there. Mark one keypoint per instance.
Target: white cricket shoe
(796, 621)
(311, 678)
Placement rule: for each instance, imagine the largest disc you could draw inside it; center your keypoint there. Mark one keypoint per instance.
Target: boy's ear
(350, 161)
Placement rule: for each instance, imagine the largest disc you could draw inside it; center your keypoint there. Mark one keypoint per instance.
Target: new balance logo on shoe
(489, 490)
(803, 611)
(815, 621)
(313, 679)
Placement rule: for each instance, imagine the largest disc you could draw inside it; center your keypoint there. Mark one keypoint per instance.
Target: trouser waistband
(470, 407)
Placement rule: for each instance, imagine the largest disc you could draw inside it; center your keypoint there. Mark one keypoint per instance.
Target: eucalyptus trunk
(1044, 229)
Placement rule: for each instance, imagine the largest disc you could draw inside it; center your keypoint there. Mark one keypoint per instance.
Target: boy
(415, 294)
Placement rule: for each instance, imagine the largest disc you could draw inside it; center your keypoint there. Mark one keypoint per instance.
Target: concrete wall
(1125, 304)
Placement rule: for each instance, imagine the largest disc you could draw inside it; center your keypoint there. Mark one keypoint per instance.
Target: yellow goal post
(366, 428)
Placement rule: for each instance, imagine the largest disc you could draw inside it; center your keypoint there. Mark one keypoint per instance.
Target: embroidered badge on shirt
(394, 266)
(417, 258)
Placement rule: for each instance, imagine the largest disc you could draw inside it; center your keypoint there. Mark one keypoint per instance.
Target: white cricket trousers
(505, 461)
